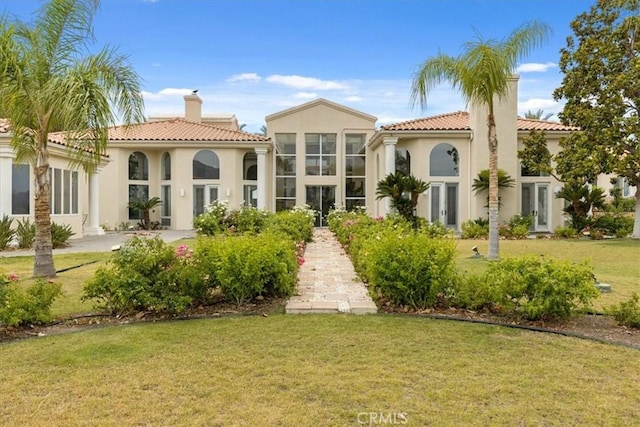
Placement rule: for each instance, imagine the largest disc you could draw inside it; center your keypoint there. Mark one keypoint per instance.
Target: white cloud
(300, 82)
(244, 77)
(305, 95)
(353, 98)
(535, 67)
(538, 103)
(166, 93)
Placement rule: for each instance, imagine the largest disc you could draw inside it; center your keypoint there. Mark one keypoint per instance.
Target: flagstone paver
(327, 282)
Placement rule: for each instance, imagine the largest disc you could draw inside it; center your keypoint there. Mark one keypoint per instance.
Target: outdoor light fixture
(476, 254)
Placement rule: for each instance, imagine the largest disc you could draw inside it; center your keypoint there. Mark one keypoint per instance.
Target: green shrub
(6, 233)
(627, 313)
(247, 219)
(613, 224)
(531, 288)
(30, 306)
(211, 222)
(143, 275)
(472, 230)
(565, 232)
(410, 269)
(25, 234)
(433, 229)
(296, 225)
(60, 234)
(245, 267)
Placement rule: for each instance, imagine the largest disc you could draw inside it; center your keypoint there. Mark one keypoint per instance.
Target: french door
(444, 203)
(321, 198)
(203, 195)
(536, 201)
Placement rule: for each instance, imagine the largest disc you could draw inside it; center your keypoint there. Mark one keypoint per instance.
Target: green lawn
(316, 370)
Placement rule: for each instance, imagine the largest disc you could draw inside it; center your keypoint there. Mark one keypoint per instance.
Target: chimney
(193, 107)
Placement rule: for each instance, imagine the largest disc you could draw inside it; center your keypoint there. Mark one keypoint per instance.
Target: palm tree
(481, 183)
(145, 206)
(537, 115)
(49, 83)
(396, 186)
(263, 130)
(482, 74)
(580, 200)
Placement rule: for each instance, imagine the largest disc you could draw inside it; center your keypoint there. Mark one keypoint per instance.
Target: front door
(321, 198)
(203, 195)
(535, 202)
(444, 203)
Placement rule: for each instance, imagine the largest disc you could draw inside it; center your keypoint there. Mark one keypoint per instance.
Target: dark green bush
(6, 233)
(627, 313)
(247, 219)
(613, 224)
(473, 230)
(565, 232)
(410, 269)
(60, 234)
(25, 234)
(531, 288)
(30, 306)
(296, 225)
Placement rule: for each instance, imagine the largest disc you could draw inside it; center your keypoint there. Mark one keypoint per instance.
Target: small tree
(145, 207)
(580, 200)
(481, 183)
(403, 190)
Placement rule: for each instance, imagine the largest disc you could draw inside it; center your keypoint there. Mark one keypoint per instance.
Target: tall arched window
(444, 161)
(206, 165)
(165, 167)
(403, 161)
(250, 167)
(138, 166)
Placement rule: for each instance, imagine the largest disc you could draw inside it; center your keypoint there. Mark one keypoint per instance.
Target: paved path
(327, 282)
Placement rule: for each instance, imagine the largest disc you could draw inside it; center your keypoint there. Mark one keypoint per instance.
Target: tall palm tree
(481, 73)
(537, 115)
(481, 182)
(49, 83)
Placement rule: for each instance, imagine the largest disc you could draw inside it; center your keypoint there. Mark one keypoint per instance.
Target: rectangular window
(165, 209)
(320, 150)
(64, 191)
(285, 171)
(355, 171)
(137, 192)
(20, 189)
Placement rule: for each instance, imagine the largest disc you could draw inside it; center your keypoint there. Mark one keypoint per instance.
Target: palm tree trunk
(494, 248)
(43, 263)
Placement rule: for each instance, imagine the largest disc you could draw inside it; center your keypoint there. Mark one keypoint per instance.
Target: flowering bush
(211, 222)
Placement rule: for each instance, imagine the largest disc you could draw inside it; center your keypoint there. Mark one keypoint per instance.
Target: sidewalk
(106, 242)
(327, 282)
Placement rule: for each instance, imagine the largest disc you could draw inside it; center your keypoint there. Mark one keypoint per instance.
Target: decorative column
(389, 162)
(261, 153)
(6, 163)
(94, 228)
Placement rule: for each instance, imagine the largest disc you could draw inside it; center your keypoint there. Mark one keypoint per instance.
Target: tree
(145, 206)
(481, 183)
(49, 83)
(537, 115)
(580, 200)
(600, 88)
(481, 73)
(263, 130)
(397, 186)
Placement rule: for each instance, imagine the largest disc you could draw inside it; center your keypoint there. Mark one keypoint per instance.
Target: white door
(444, 203)
(203, 195)
(536, 201)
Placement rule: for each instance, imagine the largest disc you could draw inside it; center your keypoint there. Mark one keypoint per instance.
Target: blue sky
(255, 58)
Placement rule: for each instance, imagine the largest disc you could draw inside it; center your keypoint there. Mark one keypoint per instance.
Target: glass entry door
(321, 198)
(203, 195)
(444, 203)
(535, 201)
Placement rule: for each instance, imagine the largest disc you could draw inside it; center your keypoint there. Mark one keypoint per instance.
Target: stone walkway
(327, 282)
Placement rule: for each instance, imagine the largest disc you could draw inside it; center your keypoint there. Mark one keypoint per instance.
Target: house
(319, 153)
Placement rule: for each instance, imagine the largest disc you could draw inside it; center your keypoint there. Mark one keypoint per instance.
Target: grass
(615, 261)
(316, 370)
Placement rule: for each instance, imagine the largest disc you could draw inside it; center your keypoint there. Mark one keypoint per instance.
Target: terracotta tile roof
(460, 121)
(451, 121)
(180, 130)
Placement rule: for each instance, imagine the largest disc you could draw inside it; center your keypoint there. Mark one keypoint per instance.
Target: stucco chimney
(193, 108)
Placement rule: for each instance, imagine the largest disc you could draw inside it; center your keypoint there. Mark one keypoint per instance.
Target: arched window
(250, 167)
(444, 161)
(206, 165)
(165, 167)
(403, 161)
(138, 167)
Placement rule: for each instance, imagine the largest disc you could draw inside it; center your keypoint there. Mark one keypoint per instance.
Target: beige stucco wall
(325, 118)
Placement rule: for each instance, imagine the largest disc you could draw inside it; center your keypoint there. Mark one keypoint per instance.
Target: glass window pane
(166, 167)
(285, 165)
(74, 192)
(328, 165)
(137, 192)
(312, 143)
(312, 165)
(138, 166)
(403, 161)
(57, 191)
(351, 204)
(354, 187)
(250, 167)
(286, 143)
(444, 161)
(354, 144)
(66, 188)
(284, 204)
(206, 165)
(355, 166)
(20, 189)
(198, 200)
(329, 143)
(285, 187)
(213, 194)
(166, 200)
